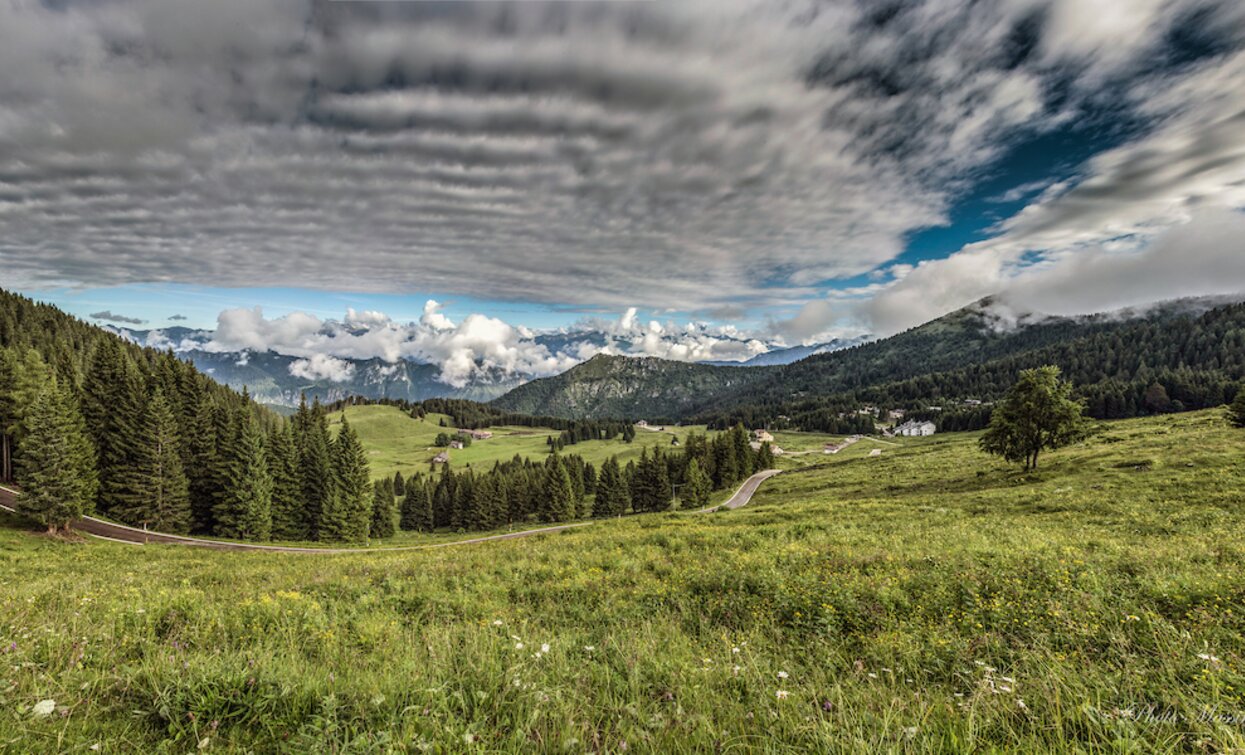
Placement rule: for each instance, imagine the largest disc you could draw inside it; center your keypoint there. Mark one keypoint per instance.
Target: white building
(916, 429)
(762, 436)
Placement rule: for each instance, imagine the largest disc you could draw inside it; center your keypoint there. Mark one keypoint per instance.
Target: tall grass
(925, 600)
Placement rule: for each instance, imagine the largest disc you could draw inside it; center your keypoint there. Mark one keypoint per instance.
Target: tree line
(565, 486)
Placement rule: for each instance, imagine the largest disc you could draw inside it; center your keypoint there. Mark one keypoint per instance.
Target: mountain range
(279, 379)
(1187, 347)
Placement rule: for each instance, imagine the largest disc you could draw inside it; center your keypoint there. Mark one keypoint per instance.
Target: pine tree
(350, 514)
(765, 457)
(155, 493)
(399, 485)
(112, 408)
(23, 374)
(697, 487)
(1236, 412)
(289, 521)
(315, 465)
(245, 509)
(383, 505)
(612, 498)
(558, 501)
(416, 507)
(201, 468)
(56, 466)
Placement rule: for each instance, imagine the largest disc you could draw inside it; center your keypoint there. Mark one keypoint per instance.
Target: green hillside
(627, 388)
(930, 599)
(395, 442)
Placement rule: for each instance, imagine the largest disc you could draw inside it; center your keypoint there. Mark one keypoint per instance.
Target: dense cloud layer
(477, 346)
(693, 155)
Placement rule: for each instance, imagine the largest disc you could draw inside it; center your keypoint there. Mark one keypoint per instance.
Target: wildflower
(518, 646)
(910, 731)
(782, 674)
(544, 648)
(496, 622)
(1131, 617)
(735, 670)
(43, 708)
(1021, 704)
(589, 648)
(1208, 657)
(734, 651)
(872, 675)
(781, 694)
(469, 738)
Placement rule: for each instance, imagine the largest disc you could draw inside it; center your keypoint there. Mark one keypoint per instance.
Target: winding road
(104, 530)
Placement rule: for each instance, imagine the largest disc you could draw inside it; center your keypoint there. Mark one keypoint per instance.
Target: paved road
(745, 492)
(89, 525)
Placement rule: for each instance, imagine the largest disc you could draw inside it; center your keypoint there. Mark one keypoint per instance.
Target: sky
(714, 178)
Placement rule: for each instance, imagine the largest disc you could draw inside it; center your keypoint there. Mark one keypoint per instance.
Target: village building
(916, 429)
(762, 436)
(478, 434)
(456, 444)
(642, 423)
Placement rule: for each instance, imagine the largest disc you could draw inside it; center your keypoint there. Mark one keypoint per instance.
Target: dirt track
(121, 533)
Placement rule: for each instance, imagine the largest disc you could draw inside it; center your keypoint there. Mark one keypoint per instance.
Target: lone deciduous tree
(1037, 414)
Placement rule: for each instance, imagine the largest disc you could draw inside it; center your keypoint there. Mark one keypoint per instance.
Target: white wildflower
(590, 648)
(518, 646)
(781, 694)
(544, 648)
(496, 622)
(783, 675)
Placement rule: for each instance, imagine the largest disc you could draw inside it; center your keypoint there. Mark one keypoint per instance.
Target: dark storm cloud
(690, 155)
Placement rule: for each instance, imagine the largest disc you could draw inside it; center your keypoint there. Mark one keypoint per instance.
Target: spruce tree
(245, 509)
(349, 516)
(315, 465)
(155, 493)
(612, 497)
(697, 487)
(56, 466)
(383, 513)
(202, 465)
(558, 501)
(416, 507)
(289, 521)
(1236, 412)
(112, 408)
(399, 485)
(765, 457)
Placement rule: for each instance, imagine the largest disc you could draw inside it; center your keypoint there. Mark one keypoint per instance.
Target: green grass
(396, 442)
(929, 599)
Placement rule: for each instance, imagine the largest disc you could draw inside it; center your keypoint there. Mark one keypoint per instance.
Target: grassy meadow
(395, 442)
(930, 599)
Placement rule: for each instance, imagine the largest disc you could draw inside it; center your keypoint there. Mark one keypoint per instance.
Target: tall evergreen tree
(154, 491)
(289, 521)
(416, 507)
(348, 517)
(612, 498)
(315, 465)
(1236, 412)
(56, 466)
(23, 374)
(558, 503)
(112, 408)
(245, 509)
(202, 465)
(383, 510)
(399, 485)
(765, 457)
(697, 487)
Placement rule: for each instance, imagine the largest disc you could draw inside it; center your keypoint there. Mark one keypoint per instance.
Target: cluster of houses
(914, 429)
(444, 456)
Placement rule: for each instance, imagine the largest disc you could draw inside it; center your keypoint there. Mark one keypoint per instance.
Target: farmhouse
(456, 444)
(478, 434)
(762, 436)
(916, 429)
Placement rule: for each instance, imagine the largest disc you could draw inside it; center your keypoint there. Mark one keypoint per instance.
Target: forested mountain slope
(628, 387)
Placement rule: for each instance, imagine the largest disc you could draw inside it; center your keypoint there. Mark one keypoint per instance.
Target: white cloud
(322, 367)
